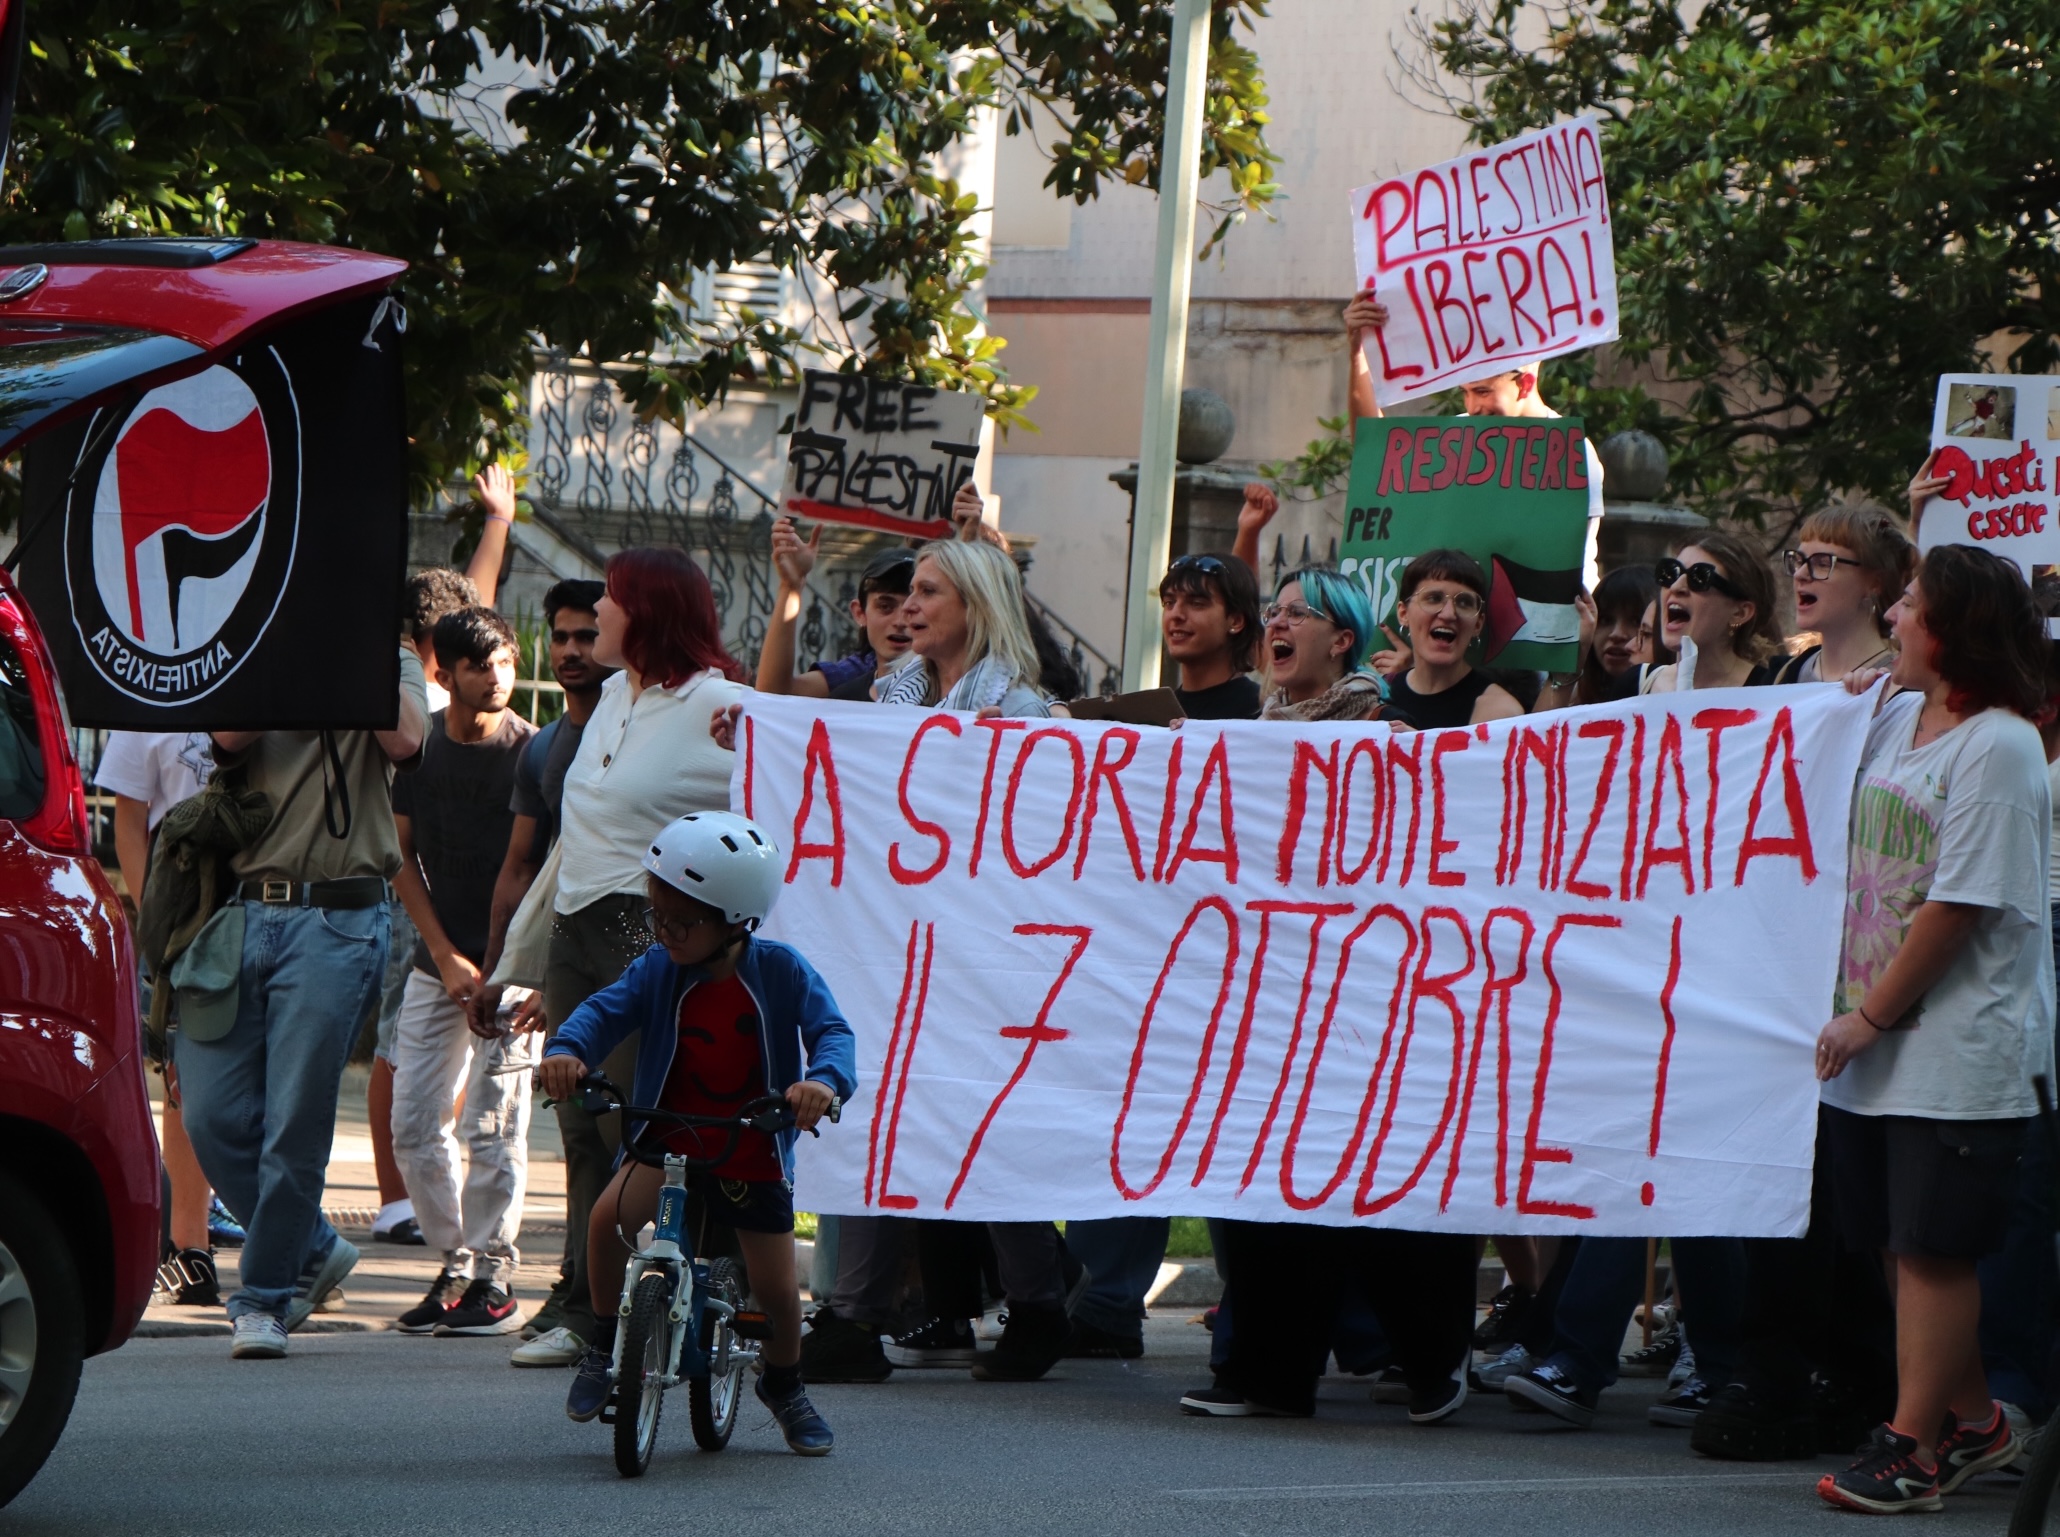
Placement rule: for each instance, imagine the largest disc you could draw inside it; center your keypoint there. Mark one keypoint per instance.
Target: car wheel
(42, 1336)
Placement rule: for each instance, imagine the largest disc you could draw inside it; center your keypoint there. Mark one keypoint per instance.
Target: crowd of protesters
(1910, 1328)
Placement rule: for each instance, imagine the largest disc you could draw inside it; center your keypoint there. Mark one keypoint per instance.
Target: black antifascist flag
(226, 551)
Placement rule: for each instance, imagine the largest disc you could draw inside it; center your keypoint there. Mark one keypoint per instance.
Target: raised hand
(1364, 313)
(793, 556)
(495, 488)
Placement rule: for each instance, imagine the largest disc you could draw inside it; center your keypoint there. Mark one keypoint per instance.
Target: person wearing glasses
(1318, 630)
(882, 588)
(1441, 605)
(1717, 615)
(1849, 565)
(1209, 616)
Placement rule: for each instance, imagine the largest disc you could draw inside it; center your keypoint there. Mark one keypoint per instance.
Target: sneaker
(841, 1350)
(990, 1330)
(1508, 1312)
(593, 1386)
(257, 1337)
(1746, 1423)
(1684, 1364)
(1888, 1478)
(317, 1282)
(1554, 1390)
(1092, 1344)
(1390, 1386)
(2027, 1435)
(1221, 1403)
(1497, 1372)
(223, 1230)
(1966, 1451)
(1682, 1406)
(396, 1223)
(188, 1279)
(1032, 1345)
(484, 1309)
(940, 1342)
(434, 1307)
(557, 1347)
(799, 1423)
(1441, 1403)
(1654, 1360)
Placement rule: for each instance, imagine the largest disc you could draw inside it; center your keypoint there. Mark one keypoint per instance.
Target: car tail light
(59, 825)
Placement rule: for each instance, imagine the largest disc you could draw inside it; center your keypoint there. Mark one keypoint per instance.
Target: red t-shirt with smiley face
(718, 1067)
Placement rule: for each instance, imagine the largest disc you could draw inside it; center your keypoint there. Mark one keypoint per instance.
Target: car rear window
(21, 752)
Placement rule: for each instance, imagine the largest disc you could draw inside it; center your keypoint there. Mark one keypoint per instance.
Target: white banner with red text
(1556, 974)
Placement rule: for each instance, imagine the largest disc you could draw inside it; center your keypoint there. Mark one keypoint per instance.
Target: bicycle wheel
(2033, 1515)
(640, 1390)
(712, 1401)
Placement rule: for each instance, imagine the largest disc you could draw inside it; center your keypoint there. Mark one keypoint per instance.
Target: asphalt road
(375, 1432)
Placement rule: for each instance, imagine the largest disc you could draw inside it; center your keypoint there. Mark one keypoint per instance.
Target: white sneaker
(2027, 1438)
(560, 1347)
(314, 1289)
(258, 1337)
(1684, 1366)
(1510, 1363)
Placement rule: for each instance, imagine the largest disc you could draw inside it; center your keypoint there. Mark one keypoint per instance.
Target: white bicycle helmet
(722, 859)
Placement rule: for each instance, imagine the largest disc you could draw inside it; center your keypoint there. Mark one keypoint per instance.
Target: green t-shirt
(292, 769)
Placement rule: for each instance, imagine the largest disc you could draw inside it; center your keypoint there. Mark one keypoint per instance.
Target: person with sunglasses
(1441, 606)
(882, 590)
(1209, 616)
(1717, 615)
(1849, 565)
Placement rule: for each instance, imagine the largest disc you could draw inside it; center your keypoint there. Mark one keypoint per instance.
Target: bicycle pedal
(751, 1326)
(607, 1414)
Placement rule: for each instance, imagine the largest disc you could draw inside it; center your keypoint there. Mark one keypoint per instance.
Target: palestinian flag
(1526, 604)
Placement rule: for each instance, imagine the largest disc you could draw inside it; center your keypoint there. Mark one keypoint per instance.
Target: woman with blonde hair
(1850, 564)
(1716, 607)
(970, 648)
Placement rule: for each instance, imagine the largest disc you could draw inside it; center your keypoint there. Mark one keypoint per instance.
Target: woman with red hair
(1945, 1005)
(645, 759)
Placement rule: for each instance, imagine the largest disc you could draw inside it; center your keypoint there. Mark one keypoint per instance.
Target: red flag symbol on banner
(172, 474)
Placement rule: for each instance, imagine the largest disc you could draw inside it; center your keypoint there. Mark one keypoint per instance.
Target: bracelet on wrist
(1861, 1010)
(495, 518)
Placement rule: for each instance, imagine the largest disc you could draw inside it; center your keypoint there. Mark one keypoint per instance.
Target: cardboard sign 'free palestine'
(1513, 492)
(880, 453)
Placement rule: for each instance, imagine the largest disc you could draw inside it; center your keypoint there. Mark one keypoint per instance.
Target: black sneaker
(1221, 1403)
(1887, 1478)
(484, 1309)
(1508, 1312)
(188, 1279)
(434, 1307)
(1682, 1406)
(1745, 1423)
(1030, 1346)
(940, 1342)
(1965, 1451)
(1441, 1403)
(1553, 1390)
(805, 1430)
(838, 1350)
(592, 1387)
(1654, 1360)
(1089, 1343)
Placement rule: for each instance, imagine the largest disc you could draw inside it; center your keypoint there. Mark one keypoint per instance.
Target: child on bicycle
(724, 1017)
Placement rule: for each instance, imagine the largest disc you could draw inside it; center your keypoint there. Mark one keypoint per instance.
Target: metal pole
(1151, 527)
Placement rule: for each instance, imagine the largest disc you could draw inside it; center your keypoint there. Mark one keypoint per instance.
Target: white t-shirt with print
(159, 768)
(1965, 818)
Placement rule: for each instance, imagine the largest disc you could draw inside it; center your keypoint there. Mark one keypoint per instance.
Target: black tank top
(1448, 707)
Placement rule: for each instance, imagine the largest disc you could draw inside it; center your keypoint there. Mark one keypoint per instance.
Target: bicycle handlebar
(769, 1113)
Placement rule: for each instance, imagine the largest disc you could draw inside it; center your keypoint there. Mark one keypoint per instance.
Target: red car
(80, 1178)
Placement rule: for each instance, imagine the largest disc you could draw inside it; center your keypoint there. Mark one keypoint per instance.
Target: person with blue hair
(1318, 631)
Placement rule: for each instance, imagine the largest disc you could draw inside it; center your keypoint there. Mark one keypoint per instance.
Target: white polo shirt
(640, 764)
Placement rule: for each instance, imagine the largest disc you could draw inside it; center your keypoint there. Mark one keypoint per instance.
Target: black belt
(351, 891)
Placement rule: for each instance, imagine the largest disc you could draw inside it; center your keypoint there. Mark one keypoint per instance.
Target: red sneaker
(1886, 1480)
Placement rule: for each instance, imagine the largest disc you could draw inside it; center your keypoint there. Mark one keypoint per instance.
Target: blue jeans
(1122, 1256)
(260, 1103)
(1604, 1285)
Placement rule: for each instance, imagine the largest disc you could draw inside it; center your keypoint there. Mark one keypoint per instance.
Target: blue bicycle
(681, 1317)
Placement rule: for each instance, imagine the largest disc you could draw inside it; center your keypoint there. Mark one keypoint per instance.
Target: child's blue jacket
(795, 1010)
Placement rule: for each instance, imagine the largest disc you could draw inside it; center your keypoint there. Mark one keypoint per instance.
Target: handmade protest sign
(190, 543)
(1498, 257)
(1557, 974)
(1995, 438)
(1513, 492)
(879, 453)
